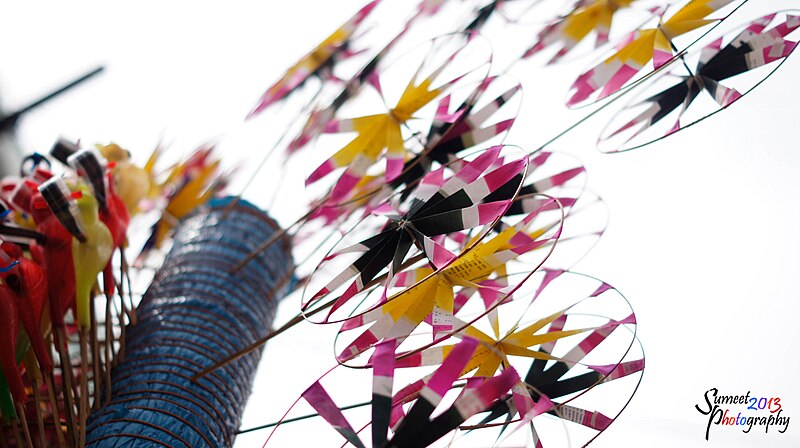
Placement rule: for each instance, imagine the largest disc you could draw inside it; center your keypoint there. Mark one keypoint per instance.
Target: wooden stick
(250, 348)
(264, 246)
(24, 422)
(109, 346)
(123, 276)
(291, 323)
(54, 404)
(122, 312)
(67, 387)
(95, 346)
(121, 286)
(83, 411)
(35, 377)
(3, 443)
(15, 430)
(124, 266)
(270, 241)
(297, 419)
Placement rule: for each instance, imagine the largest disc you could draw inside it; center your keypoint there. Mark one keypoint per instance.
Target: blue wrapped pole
(193, 315)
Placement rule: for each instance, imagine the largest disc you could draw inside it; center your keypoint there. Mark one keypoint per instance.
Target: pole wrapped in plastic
(195, 314)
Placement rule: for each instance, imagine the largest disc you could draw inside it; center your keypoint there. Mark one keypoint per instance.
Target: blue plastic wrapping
(193, 315)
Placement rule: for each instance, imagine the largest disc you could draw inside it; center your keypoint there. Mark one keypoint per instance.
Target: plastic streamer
(194, 314)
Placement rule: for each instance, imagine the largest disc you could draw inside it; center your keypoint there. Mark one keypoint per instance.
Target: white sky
(703, 237)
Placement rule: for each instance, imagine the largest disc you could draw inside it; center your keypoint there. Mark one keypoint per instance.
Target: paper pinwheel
(382, 134)
(438, 207)
(716, 76)
(482, 117)
(319, 62)
(594, 16)
(641, 47)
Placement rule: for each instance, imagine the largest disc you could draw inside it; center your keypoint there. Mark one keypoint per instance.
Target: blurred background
(703, 237)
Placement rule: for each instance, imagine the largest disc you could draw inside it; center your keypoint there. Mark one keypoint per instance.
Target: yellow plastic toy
(91, 256)
(196, 190)
(132, 182)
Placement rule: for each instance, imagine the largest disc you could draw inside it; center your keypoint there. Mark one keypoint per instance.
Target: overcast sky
(703, 236)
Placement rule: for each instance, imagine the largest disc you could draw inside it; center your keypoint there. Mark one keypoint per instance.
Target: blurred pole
(10, 154)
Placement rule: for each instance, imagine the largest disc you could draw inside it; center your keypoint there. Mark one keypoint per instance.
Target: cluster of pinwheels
(450, 238)
(643, 46)
(454, 239)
